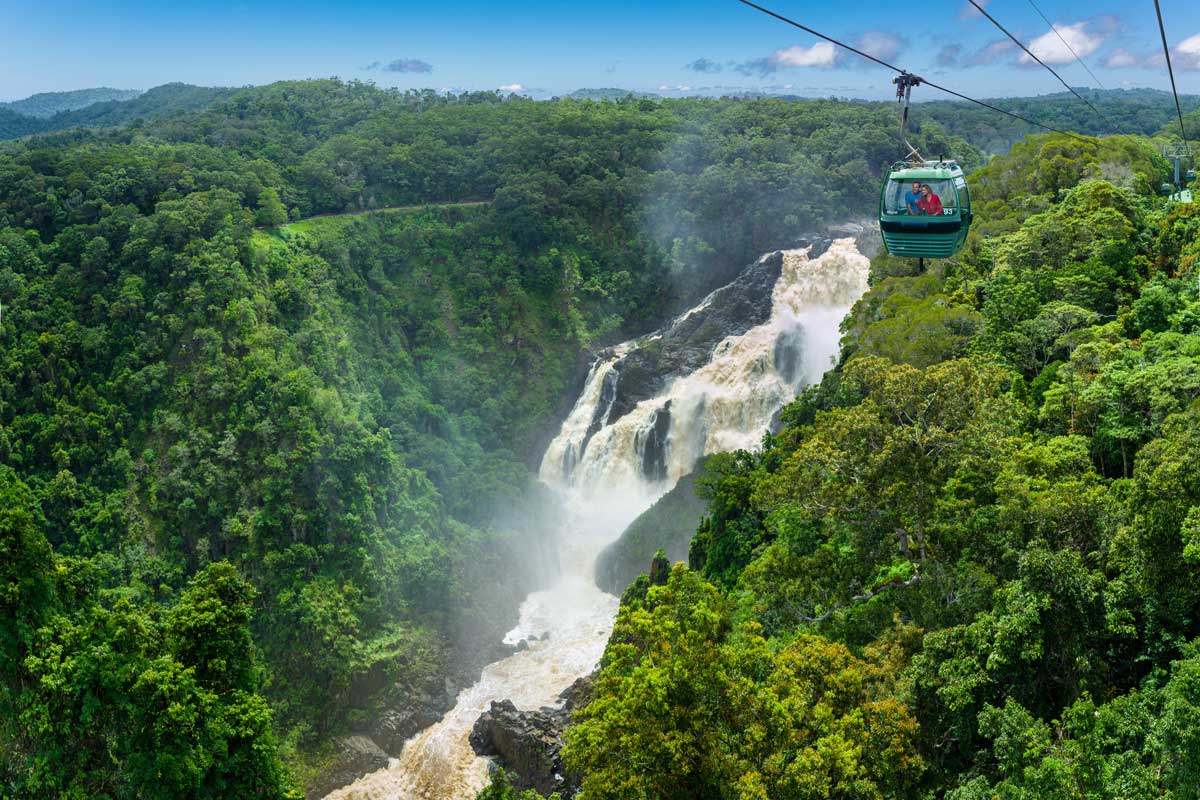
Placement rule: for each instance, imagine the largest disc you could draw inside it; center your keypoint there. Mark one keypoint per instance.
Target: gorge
(711, 380)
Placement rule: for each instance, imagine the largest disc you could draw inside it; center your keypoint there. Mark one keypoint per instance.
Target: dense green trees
(254, 473)
(688, 706)
(995, 490)
(102, 698)
(1122, 111)
(273, 463)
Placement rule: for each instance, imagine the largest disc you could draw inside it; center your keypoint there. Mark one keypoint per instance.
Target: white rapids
(726, 404)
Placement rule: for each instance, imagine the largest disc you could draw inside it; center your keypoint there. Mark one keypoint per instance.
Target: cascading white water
(599, 471)
(729, 402)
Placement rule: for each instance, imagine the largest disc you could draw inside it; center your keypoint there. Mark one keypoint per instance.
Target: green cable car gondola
(924, 206)
(915, 225)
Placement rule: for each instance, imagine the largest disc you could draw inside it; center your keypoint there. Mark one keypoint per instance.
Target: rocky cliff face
(687, 343)
(528, 744)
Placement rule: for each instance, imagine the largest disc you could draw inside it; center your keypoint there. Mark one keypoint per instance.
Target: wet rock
(788, 356)
(686, 343)
(356, 756)
(865, 232)
(528, 744)
(406, 711)
(651, 443)
(502, 651)
(393, 727)
(578, 693)
(600, 418)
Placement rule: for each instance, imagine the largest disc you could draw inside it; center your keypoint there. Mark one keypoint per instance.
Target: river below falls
(572, 620)
(725, 404)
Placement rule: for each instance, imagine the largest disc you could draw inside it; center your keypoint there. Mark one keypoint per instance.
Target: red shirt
(930, 204)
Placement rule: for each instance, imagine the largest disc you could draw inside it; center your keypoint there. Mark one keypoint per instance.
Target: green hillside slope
(14, 125)
(965, 567)
(161, 101)
(47, 104)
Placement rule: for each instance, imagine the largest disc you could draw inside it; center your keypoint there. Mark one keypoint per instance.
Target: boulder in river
(528, 744)
(405, 710)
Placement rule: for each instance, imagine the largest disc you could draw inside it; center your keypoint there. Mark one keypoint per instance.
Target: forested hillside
(966, 565)
(273, 371)
(56, 111)
(258, 474)
(161, 101)
(14, 125)
(1141, 112)
(47, 104)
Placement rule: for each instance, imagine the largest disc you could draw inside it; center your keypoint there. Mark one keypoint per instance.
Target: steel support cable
(1167, 52)
(894, 68)
(1029, 53)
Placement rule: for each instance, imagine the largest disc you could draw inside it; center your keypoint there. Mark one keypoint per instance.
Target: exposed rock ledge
(355, 756)
(528, 744)
(402, 711)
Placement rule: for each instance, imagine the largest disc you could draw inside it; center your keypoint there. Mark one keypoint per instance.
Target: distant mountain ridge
(609, 93)
(46, 104)
(1139, 110)
(161, 101)
(123, 107)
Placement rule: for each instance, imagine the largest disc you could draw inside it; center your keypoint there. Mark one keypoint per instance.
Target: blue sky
(543, 48)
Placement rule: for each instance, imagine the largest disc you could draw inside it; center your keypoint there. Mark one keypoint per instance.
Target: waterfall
(607, 471)
(728, 402)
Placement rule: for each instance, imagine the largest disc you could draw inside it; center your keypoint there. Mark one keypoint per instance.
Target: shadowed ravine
(608, 471)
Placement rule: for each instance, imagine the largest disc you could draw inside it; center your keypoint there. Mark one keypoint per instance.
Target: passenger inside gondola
(909, 197)
(930, 204)
(912, 198)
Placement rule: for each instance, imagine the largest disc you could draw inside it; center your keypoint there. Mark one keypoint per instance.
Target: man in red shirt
(930, 203)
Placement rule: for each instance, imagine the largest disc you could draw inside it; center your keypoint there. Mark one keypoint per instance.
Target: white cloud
(1184, 56)
(1053, 50)
(821, 54)
(1189, 51)
(1120, 59)
(512, 88)
(990, 53)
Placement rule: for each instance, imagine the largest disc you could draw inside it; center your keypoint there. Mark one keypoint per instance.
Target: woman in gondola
(931, 204)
